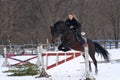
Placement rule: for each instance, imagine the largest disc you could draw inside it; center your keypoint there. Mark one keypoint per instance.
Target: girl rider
(75, 26)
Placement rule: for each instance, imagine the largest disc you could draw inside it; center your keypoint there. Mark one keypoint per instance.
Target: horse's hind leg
(89, 64)
(92, 55)
(95, 63)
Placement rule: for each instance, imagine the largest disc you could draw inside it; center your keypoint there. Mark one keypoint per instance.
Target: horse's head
(54, 34)
(58, 29)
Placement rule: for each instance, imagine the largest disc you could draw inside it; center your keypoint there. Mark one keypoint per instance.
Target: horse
(69, 41)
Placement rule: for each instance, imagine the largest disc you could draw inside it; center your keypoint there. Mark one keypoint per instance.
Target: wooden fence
(109, 44)
(31, 48)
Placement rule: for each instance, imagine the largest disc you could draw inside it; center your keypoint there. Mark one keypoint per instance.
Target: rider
(74, 25)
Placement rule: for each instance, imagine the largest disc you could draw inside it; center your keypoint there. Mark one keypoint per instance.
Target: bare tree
(115, 19)
(28, 21)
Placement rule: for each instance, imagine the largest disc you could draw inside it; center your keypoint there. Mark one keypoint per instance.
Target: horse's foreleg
(63, 48)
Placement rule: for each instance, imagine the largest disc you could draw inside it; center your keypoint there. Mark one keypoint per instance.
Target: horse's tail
(100, 50)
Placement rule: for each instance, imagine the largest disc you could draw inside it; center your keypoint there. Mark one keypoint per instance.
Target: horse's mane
(61, 24)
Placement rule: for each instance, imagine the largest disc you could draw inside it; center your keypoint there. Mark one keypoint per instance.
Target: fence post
(41, 57)
(87, 63)
(38, 57)
(110, 43)
(40, 61)
(5, 63)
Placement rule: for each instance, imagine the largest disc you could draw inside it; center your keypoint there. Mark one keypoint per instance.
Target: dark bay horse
(69, 41)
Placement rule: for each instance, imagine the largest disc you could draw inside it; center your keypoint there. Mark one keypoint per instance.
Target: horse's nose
(53, 40)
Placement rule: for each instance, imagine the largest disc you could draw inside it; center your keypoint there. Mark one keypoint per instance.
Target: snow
(74, 69)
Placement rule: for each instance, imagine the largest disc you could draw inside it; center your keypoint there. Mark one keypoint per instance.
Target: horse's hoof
(90, 70)
(96, 72)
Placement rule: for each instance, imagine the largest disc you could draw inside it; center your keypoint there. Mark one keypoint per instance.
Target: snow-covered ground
(75, 70)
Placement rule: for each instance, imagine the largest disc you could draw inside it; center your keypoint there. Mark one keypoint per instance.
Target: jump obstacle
(44, 59)
(40, 59)
(68, 56)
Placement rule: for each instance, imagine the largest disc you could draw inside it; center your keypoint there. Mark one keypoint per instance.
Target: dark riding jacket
(76, 29)
(74, 23)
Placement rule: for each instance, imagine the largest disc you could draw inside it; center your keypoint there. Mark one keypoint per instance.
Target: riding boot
(82, 41)
(80, 38)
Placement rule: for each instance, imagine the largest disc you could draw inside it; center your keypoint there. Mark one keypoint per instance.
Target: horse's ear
(51, 26)
(52, 29)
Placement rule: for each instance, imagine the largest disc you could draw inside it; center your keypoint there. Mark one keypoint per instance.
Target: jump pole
(5, 63)
(43, 72)
(38, 57)
(87, 69)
